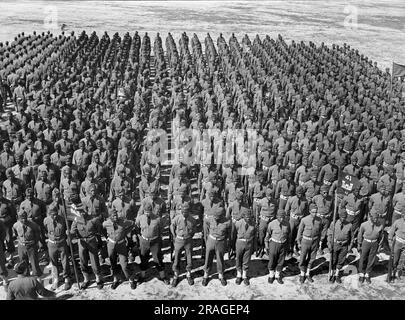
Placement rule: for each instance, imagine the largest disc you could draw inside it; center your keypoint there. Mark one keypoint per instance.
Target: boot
(223, 282)
(205, 281)
(142, 277)
(55, 278)
(308, 275)
(368, 280)
(338, 276)
(86, 281)
(115, 283)
(162, 276)
(246, 281)
(238, 280)
(132, 284)
(302, 279)
(278, 278)
(270, 280)
(67, 284)
(175, 282)
(190, 280)
(99, 282)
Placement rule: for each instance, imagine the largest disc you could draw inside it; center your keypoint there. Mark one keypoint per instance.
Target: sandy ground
(259, 288)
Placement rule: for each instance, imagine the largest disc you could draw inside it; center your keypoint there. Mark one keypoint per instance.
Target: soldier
(295, 210)
(3, 269)
(86, 228)
(256, 191)
(117, 230)
(329, 172)
(25, 287)
(309, 233)
(278, 234)
(150, 229)
(210, 204)
(353, 204)
(8, 217)
(28, 235)
(218, 232)
(398, 203)
(400, 173)
(339, 246)
(55, 228)
(324, 204)
(70, 187)
(388, 179)
(119, 182)
(183, 228)
(147, 182)
(245, 239)
(13, 189)
(36, 212)
(369, 236)
(157, 203)
(397, 230)
(285, 188)
(124, 206)
(233, 213)
(312, 186)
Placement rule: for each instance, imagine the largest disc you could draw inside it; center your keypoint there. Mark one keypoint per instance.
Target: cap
(324, 188)
(120, 168)
(21, 267)
(148, 208)
(219, 212)
(280, 213)
(342, 213)
(246, 213)
(313, 206)
(22, 213)
(185, 206)
(299, 190)
(92, 186)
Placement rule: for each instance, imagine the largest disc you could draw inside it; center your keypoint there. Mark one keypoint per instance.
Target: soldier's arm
(300, 231)
(278, 187)
(173, 228)
(73, 229)
(228, 212)
(360, 236)
(288, 207)
(392, 231)
(321, 175)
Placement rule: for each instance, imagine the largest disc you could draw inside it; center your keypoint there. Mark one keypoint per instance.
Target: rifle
(70, 243)
(390, 262)
(333, 233)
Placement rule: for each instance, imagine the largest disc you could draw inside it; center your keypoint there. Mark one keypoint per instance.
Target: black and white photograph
(202, 150)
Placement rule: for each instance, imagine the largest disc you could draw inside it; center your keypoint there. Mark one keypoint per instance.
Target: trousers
(276, 255)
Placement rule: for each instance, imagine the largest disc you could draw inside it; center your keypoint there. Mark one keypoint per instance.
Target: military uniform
(245, 237)
(86, 228)
(309, 233)
(397, 232)
(117, 232)
(278, 234)
(218, 232)
(342, 234)
(55, 229)
(370, 234)
(28, 235)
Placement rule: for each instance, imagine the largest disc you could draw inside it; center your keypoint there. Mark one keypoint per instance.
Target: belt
(265, 167)
(328, 183)
(234, 220)
(295, 216)
(309, 238)
(264, 218)
(56, 241)
(283, 197)
(397, 212)
(290, 164)
(341, 241)
(183, 238)
(371, 241)
(400, 240)
(24, 243)
(352, 213)
(119, 241)
(149, 239)
(256, 199)
(385, 164)
(207, 216)
(278, 241)
(244, 240)
(217, 239)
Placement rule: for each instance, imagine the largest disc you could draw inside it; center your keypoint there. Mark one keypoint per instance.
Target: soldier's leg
(178, 248)
(64, 257)
(33, 257)
(122, 252)
(398, 248)
(293, 234)
(239, 258)
(304, 256)
(94, 260)
(10, 247)
(312, 256)
(156, 250)
(365, 249)
(84, 260)
(188, 247)
(3, 269)
(325, 226)
(272, 258)
(341, 258)
(262, 232)
(23, 256)
(112, 255)
(220, 251)
(247, 254)
(371, 258)
(281, 257)
(233, 236)
(209, 256)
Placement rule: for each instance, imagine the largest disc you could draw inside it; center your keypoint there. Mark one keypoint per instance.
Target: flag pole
(333, 234)
(70, 243)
